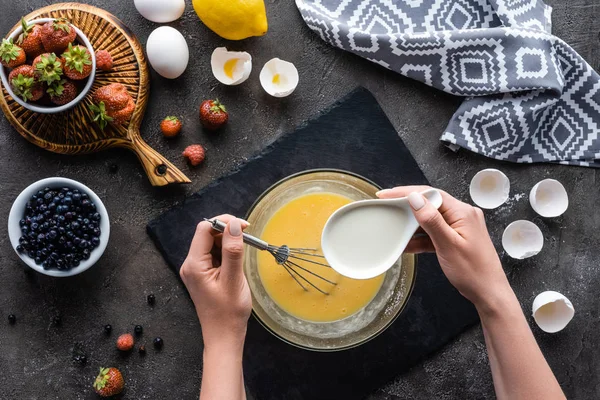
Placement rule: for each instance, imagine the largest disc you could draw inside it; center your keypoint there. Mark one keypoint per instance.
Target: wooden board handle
(159, 170)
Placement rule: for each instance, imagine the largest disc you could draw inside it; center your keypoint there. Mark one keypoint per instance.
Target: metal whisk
(285, 256)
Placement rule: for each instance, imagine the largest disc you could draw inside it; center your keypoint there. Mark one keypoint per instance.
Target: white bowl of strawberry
(48, 65)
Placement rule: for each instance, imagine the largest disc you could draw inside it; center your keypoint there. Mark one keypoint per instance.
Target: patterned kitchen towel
(530, 96)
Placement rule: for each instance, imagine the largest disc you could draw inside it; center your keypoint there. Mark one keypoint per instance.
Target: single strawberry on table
(213, 114)
(104, 60)
(170, 127)
(57, 35)
(77, 62)
(62, 92)
(109, 382)
(24, 83)
(48, 68)
(30, 40)
(195, 154)
(11, 55)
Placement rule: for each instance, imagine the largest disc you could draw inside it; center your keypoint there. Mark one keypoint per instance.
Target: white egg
(552, 311)
(549, 198)
(230, 67)
(160, 11)
(279, 78)
(522, 239)
(168, 52)
(489, 188)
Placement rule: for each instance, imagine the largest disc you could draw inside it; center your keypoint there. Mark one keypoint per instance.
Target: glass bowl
(342, 334)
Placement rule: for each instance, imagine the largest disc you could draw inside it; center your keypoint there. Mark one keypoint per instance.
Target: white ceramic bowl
(51, 109)
(18, 209)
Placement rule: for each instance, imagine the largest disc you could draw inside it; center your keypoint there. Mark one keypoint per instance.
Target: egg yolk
(229, 67)
(299, 224)
(276, 79)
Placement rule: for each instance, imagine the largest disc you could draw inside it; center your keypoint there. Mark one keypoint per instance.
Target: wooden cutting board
(74, 132)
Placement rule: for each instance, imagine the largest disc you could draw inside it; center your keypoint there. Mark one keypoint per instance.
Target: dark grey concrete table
(35, 356)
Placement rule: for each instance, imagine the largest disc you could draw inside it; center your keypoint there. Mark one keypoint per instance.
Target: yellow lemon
(233, 19)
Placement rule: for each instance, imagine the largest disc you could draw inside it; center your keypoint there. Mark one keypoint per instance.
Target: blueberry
(34, 226)
(138, 329)
(44, 252)
(38, 260)
(86, 221)
(39, 201)
(75, 225)
(86, 236)
(84, 244)
(12, 318)
(46, 189)
(52, 206)
(22, 223)
(76, 263)
(60, 263)
(61, 196)
(69, 244)
(95, 242)
(70, 234)
(20, 248)
(52, 234)
(51, 247)
(41, 237)
(67, 201)
(76, 241)
(86, 254)
(61, 230)
(96, 232)
(84, 195)
(107, 329)
(96, 216)
(43, 208)
(30, 254)
(45, 264)
(158, 343)
(69, 215)
(61, 218)
(40, 193)
(62, 240)
(48, 196)
(76, 197)
(25, 243)
(25, 229)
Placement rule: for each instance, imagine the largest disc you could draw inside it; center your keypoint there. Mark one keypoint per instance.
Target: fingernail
(244, 221)
(416, 200)
(384, 191)
(235, 227)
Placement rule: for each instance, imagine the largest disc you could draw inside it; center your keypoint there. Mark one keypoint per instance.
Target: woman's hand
(213, 275)
(458, 234)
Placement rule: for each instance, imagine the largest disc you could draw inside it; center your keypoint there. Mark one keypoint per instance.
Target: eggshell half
(230, 67)
(167, 52)
(279, 78)
(552, 311)
(489, 188)
(522, 239)
(549, 198)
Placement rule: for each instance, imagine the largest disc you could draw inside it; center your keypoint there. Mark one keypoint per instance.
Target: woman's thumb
(232, 251)
(430, 219)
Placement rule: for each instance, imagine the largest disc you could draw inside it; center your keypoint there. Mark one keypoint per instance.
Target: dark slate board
(353, 135)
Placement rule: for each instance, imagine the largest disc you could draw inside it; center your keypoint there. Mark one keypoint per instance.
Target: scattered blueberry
(158, 343)
(12, 318)
(60, 228)
(138, 329)
(107, 329)
(151, 299)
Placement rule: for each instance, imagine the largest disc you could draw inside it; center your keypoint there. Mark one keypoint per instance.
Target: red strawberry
(213, 114)
(48, 68)
(125, 342)
(109, 382)
(77, 62)
(30, 39)
(62, 92)
(124, 114)
(195, 154)
(11, 55)
(24, 83)
(170, 127)
(57, 35)
(114, 96)
(104, 60)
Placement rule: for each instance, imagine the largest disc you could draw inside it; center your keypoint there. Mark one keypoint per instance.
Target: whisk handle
(248, 239)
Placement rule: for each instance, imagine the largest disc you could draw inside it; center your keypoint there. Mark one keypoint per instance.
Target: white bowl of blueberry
(59, 227)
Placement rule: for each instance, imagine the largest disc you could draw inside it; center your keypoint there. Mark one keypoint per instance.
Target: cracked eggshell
(549, 198)
(160, 11)
(522, 239)
(489, 188)
(230, 67)
(168, 52)
(552, 311)
(279, 78)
